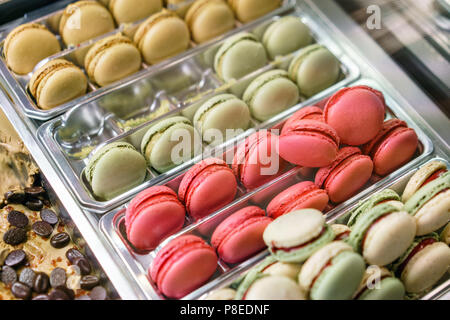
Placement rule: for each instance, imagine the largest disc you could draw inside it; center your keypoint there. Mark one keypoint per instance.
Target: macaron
(179, 6)
(248, 10)
(314, 69)
(379, 284)
(382, 234)
(115, 169)
(239, 236)
(305, 113)
(57, 82)
(112, 59)
(445, 234)
(161, 36)
(152, 215)
(28, 44)
(198, 189)
(222, 117)
(295, 236)
(257, 161)
(224, 294)
(392, 147)
(271, 266)
(346, 175)
(309, 143)
(208, 19)
(125, 11)
(356, 113)
(286, 35)
(423, 264)
(302, 195)
(238, 56)
(270, 93)
(341, 231)
(183, 265)
(430, 205)
(332, 273)
(161, 139)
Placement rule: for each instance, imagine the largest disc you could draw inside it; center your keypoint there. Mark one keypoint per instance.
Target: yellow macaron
(248, 10)
(125, 11)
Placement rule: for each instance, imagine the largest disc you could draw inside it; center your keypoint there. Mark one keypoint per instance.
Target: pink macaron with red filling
(206, 187)
(257, 160)
(152, 215)
(183, 265)
(356, 113)
(239, 236)
(393, 146)
(306, 113)
(302, 195)
(346, 175)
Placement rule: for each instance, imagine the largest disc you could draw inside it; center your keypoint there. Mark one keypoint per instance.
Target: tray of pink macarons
(329, 203)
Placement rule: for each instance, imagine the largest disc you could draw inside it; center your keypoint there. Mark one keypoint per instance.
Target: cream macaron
(445, 234)
(125, 11)
(222, 294)
(248, 10)
(28, 44)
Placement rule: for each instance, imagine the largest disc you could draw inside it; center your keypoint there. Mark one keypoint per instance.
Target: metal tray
(112, 223)
(92, 124)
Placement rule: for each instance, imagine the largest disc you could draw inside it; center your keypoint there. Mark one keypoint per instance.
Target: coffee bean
(41, 297)
(34, 192)
(3, 254)
(41, 283)
(49, 216)
(60, 240)
(15, 258)
(83, 297)
(73, 254)
(15, 196)
(42, 228)
(17, 219)
(27, 276)
(9, 275)
(83, 264)
(88, 282)
(20, 290)
(58, 277)
(34, 204)
(69, 292)
(98, 293)
(57, 294)
(15, 236)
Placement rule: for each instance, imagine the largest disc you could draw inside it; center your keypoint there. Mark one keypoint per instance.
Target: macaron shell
(434, 214)
(389, 289)
(248, 10)
(133, 10)
(274, 288)
(421, 175)
(306, 113)
(224, 294)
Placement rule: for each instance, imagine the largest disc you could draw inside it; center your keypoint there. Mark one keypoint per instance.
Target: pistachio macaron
(286, 35)
(248, 10)
(115, 169)
(169, 143)
(379, 284)
(161, 36)
(125, 11)
(112, 59)
(57, 82)
(271, 93)
(314, 69)
(221, 118)
(238, 56)
(208, 19)
(28, 44)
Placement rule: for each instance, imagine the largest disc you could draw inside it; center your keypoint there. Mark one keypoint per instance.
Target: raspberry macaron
(306, 113)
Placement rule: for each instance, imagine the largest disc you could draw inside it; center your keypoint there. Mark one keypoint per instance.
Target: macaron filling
(420, 246)
(276, 249)
(437, 174)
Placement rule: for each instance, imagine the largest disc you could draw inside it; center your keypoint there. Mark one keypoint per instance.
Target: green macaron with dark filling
(379, 283)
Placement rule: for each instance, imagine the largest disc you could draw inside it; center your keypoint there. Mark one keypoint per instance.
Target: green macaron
(271, 93)
(115, 169)
(314, 69)
(169, 143)
(380, 284)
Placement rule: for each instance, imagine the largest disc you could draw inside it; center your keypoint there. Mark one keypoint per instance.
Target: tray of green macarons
(219, 94)
(70, 52)
(225, 201)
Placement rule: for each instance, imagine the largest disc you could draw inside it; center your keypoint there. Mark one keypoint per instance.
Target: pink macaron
(206, 187)
(299, 196)
(309, 143)
(152, 215)
(346, 175)
(257, 160)
(183, 265)
(306, 113)
(393, 146)
(356, 113)
(239, 236)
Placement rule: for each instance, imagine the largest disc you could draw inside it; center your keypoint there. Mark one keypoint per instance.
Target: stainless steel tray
(92, 125)
(112, 223)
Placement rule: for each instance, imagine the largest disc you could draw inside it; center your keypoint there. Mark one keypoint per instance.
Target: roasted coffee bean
(41, 283)
(20, 290)
(41, 297)
(49, 216)
(34, 204)
(83, 264)
(83, 297)
(98, 293)
(72, 254)
(58, 277)
(57, 294)
(27, 276)
(42, 228)
(17, 219)
(88, 282)
(15, 196)
(60, 240)
(9, 275)
(34, 192)
(15, 236)
(15, 258)
(69, 292)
